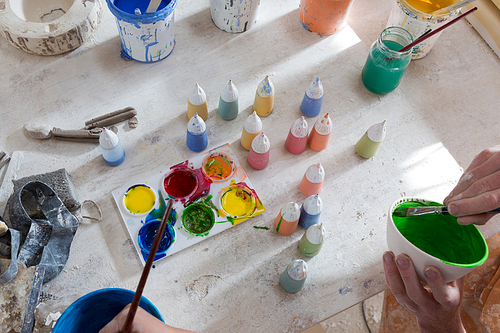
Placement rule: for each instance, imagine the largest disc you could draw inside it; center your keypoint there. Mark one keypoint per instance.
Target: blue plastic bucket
(90, 313)
(144, 37)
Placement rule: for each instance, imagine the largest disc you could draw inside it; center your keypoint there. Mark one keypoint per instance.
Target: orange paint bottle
(320, 134)
(287, 220)
(312, 182)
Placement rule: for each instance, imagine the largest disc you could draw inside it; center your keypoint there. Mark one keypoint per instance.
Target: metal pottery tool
(427, 210)
(127, 328)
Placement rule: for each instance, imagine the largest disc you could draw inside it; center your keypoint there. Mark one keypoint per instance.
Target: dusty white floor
(351, 320)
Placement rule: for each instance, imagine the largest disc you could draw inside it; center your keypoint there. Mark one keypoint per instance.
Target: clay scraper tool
(428, 210)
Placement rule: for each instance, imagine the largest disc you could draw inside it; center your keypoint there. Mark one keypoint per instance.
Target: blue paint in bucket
(145, 37)
(91, 312)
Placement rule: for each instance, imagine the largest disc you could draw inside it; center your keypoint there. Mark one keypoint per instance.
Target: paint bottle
(313, 180)
(310, 211)
(313, 97)
(228, 102)
(312, 241)
(196, 138)
(197, 103)
(296, 141)
(264, 98)
(251, 128)
(294, 276)
(287, 219)
(320, 133)
(258, 157)
(111, 148)
(368, 145)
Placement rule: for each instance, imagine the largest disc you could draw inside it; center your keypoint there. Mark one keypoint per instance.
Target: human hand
(478, 190)
(143, 322)
(436, 306)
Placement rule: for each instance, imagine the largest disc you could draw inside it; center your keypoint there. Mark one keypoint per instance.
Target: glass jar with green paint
(385, 65)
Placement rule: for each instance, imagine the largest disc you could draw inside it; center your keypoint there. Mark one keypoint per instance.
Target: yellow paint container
(139, 199)
(237, 201)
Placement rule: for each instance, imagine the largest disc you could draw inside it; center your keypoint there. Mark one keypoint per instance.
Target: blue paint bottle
(313, 97)
(228, 102)
(112, 150)
(196, 138)
(310, 211)
(294, 276)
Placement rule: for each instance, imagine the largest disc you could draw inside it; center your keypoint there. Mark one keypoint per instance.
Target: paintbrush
(427, 210)
(433, 32)
(142, 282)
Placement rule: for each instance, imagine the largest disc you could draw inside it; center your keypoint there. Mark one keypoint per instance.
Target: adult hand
(143, 322)
(478, 190)
(436, 306)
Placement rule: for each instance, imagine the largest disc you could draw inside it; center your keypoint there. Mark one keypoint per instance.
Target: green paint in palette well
(442, 237)
(198, 219)
(380, 74)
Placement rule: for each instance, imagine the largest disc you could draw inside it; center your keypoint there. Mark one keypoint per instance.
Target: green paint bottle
(368, 145)
(294, 276)
(311, 243)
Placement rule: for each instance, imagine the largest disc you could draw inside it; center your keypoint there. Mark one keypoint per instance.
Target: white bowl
(460, 248)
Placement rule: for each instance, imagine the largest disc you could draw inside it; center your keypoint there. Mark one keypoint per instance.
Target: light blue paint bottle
(228, 102)
(313, 97)
(196, 138)
(112, 150)
(294, 276)
(310, 211)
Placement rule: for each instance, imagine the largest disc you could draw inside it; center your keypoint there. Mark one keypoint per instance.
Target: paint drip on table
(211, 193)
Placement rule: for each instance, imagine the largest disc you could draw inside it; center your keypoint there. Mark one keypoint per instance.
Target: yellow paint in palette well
(237, 201)
(429, 6)
(139, 199)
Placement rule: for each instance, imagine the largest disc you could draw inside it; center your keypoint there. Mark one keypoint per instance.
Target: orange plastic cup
(324, 17)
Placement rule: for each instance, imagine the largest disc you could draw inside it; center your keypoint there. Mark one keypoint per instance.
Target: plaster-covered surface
(443, 113)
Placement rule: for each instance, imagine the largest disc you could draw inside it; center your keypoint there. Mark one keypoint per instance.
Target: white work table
(445, 111)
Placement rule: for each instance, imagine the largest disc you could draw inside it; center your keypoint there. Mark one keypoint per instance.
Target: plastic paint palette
(200, 182)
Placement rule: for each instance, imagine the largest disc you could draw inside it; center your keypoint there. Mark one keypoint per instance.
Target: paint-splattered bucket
(324, 17)
(417, 23)
(234, 15)
(144, 37)
(93, 311)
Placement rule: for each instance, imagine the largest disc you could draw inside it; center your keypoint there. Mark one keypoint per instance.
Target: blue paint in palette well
(91, 312)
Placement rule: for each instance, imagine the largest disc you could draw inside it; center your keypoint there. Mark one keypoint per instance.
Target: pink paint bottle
(258, 157)
(320, 134)
(296, 142)
(312, 182)
(287, 220)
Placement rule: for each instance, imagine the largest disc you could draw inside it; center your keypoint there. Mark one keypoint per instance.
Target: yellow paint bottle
(251, 128)
(197, 103)
(264, 98)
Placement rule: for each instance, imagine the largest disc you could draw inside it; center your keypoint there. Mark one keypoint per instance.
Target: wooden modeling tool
(127, 328)
(427, 210)
(432, 33)
(111, 118)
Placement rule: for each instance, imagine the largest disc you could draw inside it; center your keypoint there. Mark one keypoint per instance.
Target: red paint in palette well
(180, 183)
